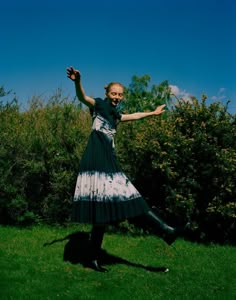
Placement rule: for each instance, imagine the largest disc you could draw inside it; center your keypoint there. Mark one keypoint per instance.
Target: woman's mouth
(115, 101)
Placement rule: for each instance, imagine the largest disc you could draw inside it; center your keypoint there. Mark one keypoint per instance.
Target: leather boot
(167, 233)
(96, 243)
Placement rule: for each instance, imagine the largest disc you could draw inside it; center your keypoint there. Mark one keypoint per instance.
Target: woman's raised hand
(73, 74)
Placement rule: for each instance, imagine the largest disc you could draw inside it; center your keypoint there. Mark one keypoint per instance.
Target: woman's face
(115, 94)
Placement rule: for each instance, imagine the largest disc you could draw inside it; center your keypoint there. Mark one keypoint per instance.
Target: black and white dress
(103, 193)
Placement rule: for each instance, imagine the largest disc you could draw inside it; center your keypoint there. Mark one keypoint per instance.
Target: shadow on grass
(77, 251)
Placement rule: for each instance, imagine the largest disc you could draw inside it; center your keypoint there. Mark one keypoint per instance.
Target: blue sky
(192, 44)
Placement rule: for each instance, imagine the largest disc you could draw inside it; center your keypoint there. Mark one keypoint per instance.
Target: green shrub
(183, 162)
(185, 166)
(40, 152)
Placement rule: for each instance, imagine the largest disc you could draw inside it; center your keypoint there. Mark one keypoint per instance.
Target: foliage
(40, 152)
(139, 97)
(183, 162)
(185, 166)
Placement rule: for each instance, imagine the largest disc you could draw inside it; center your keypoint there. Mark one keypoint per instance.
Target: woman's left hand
(159, 110)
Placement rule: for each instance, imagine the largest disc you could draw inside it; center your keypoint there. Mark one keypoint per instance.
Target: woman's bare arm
(75, 76)
(140, 115)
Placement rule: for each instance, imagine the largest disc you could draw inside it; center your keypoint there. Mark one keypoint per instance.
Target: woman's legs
(96, 239)
(163, 230)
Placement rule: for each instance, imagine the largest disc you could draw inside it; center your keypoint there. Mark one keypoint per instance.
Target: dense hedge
(40, 152)
(184, 163)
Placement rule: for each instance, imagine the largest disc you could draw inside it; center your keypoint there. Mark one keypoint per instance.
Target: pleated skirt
(103, 193)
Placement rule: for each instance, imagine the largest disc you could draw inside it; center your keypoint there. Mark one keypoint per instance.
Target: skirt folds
(103, 193)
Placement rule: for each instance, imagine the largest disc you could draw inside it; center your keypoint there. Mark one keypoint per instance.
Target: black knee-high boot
(96, 243)
(166, 232)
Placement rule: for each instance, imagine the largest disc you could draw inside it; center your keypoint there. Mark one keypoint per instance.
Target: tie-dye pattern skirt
(103, 193)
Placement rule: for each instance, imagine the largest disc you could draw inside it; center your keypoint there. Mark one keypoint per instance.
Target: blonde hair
(108, 87)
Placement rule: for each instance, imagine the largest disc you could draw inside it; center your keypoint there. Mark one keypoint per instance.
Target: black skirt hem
(89, 212)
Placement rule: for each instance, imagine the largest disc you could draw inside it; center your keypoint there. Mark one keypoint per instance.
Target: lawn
(45, 263)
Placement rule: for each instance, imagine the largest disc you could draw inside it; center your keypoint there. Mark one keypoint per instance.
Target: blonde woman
(103, 193)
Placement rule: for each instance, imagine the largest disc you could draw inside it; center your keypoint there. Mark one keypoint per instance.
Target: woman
(103, 193)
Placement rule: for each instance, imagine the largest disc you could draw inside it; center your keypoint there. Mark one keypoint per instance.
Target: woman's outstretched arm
(140, 115)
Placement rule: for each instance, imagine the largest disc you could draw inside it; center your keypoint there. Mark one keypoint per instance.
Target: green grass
(30, 270)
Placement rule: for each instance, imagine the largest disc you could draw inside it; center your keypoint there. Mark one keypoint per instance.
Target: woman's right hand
(73, 74)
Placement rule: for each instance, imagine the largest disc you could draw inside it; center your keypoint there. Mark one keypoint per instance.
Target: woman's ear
(105, 87)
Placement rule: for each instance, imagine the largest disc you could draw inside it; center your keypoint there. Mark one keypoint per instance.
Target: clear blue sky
(190, 43)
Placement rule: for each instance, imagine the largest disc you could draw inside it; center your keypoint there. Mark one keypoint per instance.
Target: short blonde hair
(108, 87)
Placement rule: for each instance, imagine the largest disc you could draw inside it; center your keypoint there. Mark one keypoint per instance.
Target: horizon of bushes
(183, 162)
